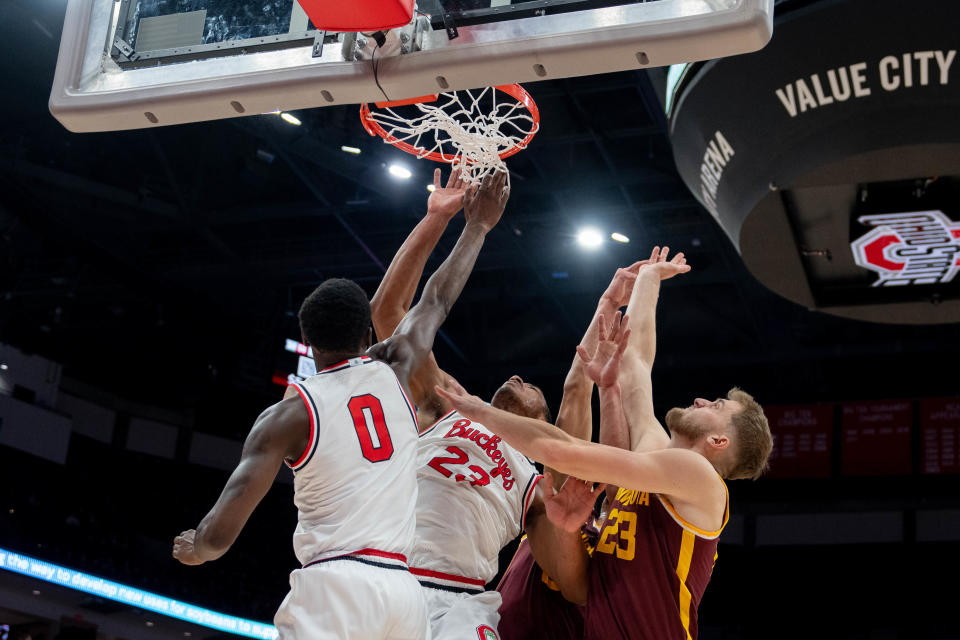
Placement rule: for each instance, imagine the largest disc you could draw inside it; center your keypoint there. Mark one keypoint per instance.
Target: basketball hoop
(473, 129)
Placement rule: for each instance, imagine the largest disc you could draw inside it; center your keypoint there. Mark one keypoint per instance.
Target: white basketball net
(462, 131)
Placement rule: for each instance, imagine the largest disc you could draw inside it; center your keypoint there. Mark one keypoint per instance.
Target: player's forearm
(447, 283)
(561, 556)
(399, 284)
(216, 533)
(442, 290)
(575, 416)
(642, 312)
(209, 543)
(536, 439)
(613, 424)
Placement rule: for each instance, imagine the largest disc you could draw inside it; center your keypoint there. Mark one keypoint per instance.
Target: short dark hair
(336, 316)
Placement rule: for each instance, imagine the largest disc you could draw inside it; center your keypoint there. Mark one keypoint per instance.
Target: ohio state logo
(919, 247)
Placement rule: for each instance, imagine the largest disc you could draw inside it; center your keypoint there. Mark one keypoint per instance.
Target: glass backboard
(128, 64)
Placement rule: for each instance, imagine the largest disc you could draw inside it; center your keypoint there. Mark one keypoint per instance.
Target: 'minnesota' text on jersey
(648, 572)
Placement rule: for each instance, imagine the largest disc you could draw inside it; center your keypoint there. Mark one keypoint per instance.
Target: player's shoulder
(292, 409)
(392, 351)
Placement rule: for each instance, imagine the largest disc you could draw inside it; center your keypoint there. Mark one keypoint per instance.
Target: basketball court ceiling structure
(168, 263)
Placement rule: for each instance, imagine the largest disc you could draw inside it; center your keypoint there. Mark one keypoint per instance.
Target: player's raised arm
(574, 416)
(395, 293)
(280, 432)
(399, 285)
(413, 338)
(604, 369)
(553, 525)
(645, 430)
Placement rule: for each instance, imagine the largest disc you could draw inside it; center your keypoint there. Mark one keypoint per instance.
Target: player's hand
(569, 508)
(183, 549)
(664, 268)
(484, 204)
(604, 366)
(467, 405)
(619, 289)
(446, 201)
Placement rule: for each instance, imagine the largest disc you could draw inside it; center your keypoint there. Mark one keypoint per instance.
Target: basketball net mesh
(467, 132)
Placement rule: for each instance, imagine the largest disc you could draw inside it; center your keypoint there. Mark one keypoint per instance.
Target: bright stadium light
(431, 188)
(589, 238)
(289, 117)
(400, 172)
(619, 237)
(354, 150)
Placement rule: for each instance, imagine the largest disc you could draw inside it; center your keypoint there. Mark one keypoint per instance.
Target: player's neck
(324, 359)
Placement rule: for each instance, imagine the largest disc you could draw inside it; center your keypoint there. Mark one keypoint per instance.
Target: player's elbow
(575, 593)
(383, 316)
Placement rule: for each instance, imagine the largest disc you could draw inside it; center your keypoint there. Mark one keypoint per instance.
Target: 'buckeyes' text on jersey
(474, 493)
(355, 485)
(648, 571)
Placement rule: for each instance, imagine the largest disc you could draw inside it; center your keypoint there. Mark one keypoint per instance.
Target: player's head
(733, 432)
(522, 398)
(336, 317)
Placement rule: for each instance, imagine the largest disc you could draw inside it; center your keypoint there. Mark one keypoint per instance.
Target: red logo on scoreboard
(920, 247)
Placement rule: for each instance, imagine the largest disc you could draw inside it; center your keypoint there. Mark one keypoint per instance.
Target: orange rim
(515, 91)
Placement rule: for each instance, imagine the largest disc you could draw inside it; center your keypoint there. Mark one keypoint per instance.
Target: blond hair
(752, 438)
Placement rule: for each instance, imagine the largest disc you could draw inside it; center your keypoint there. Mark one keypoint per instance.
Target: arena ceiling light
(589, 238)
(619, 237)
(400, 172)
(431, 188)
(354, 150)
(289, 117)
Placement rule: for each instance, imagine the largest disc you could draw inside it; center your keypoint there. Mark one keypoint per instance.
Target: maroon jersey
(533, 607)
(648, 571)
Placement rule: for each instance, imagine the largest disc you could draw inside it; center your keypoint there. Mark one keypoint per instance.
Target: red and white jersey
(475, 490)
(355, 486)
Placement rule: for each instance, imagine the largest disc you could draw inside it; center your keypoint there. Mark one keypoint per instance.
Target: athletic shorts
(463, 616)
(348, 600)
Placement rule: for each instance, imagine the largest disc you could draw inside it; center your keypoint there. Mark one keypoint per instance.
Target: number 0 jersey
(355, 485)
(474, 493)
(648, 572)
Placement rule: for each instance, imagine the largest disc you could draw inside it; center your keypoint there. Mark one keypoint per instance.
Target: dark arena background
(149, 283)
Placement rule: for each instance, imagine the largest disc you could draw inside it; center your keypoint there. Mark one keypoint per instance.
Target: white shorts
(348, 600)
(463, 616)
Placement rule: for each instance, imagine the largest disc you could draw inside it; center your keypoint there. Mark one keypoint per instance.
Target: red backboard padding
(358, 15)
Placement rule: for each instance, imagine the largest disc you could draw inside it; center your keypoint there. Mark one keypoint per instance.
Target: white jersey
(355, 485)
(475, 490)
